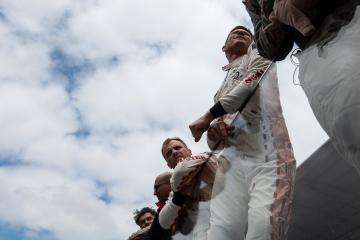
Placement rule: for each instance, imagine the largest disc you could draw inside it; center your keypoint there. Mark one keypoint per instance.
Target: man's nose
(174, 152)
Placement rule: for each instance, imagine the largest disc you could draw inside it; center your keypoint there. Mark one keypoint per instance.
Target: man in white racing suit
(193, 176)
(255, 202)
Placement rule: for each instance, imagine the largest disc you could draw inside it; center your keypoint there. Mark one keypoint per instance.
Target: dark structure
(327, 198)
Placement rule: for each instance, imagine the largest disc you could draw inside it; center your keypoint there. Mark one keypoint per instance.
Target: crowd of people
(243, 188)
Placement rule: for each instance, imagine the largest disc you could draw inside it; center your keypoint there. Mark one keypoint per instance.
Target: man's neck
(232, 57)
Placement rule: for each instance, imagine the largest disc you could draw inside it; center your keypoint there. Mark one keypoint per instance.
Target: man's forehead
(239, 30)
(145, 215)
(160, 182)
(165, 178)
(174, 143)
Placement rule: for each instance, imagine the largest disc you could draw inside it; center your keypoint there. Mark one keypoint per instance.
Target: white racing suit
(330, 77)
(256, 200)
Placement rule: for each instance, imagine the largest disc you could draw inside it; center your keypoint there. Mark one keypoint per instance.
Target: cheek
(172, 163)
(169, 164)
(249, 40)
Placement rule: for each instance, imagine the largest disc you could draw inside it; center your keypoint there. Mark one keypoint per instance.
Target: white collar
(233, 63)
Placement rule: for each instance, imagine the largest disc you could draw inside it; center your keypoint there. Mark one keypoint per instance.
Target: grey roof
(326, 198)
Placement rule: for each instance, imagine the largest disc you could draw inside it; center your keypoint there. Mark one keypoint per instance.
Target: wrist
(208, 116)
(178, 199)
(217, 110)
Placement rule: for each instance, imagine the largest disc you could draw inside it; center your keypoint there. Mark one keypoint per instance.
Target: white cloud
(30, 114)
(43, 199)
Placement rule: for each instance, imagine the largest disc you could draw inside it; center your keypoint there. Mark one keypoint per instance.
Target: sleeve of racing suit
(275, 43)
(169, 212)
(186, 170)
(232, 101)
(217, 110)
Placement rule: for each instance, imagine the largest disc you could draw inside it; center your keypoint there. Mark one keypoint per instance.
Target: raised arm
(276, 42)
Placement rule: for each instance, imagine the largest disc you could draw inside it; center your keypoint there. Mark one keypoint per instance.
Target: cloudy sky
(88, 91)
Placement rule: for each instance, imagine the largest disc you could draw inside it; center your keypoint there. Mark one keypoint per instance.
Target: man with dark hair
(144, 216)
(256, 199)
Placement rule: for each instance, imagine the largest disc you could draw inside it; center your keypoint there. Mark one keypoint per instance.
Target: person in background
(144, 216)
(172, 214)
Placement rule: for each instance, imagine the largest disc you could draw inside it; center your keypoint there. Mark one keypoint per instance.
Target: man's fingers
(213, 133)
(200, 126)
(223, 131)
(192, 129)
(196, 131)
(230, 130)
(230, 127)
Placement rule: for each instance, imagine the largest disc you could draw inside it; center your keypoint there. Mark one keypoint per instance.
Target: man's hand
(188, 183)
(219, 131)
(201, 125)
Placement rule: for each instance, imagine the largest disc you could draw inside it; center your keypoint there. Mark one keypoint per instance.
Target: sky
(89, 89)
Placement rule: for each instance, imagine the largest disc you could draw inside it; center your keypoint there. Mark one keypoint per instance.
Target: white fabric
(330, 78)
(202, 224)
(185, 169)
(168, 214)
(260, 155)
(244, 202)
(240, 80)
(200, 167)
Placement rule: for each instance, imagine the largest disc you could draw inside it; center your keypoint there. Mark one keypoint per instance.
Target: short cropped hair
(139, 213)
(240, 27)
(166, 142)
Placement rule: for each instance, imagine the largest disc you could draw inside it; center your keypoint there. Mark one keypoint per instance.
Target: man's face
(174, 151)
(146, 219)
(162, 189)
(238, 41)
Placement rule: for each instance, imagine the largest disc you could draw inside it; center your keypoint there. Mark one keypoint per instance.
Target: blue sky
(88, 92)
(8, 232)
(69, 68)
